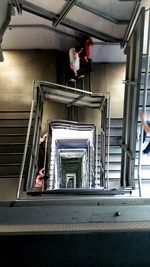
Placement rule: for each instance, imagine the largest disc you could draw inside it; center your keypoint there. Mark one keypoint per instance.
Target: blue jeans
(147, 149)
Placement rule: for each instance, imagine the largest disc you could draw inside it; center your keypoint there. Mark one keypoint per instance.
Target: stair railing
(108, 141)
(25, 151)
(147, 67)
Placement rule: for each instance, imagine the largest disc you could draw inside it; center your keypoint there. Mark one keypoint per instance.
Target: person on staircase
(41, 176)
(41, 156)
(146, 127)
(85, 55)
(74, 60)
(39, 182)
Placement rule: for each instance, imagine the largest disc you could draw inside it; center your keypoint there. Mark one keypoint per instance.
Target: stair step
(14, 130)
(114, 175)
(14, 119)
(12, 158)
(5, 176)
(13, 138)
(13, 148)
(13, 126)
(11, 169)
(14, 111)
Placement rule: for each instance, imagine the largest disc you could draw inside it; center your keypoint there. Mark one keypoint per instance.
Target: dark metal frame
(41, 92)
(131, 24)
(18, 6)
(104, 144)
(35, 141)
(100, 13)
(45, 27)
(36, 10)
(6, 21)
(131, 102)
(65, 11)
(144, 102)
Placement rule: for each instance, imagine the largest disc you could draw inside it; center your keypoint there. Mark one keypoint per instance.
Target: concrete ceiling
(49, 24)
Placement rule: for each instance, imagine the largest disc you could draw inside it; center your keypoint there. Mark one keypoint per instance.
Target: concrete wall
(103, 52)
(17, 73)
(106, 77)
(109, 78)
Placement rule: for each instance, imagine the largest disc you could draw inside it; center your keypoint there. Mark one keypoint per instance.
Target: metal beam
(41, 12)
(6, 22)
(46, 27)
(75, 100)
(18, 6)
(1, 55)
(129, 0)
(64, 12)
(90, 31)
(100, 13)
(75, 210)
(38, 11)
(131, 24)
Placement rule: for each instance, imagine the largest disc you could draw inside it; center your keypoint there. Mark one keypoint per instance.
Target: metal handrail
(35, 143)
(39, 84)
(26, 145)
(25, 151)
(144, 105)
(108, 141)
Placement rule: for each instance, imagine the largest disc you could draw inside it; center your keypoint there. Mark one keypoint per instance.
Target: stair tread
(15, 111)
(14, 126)
(12, 134)
(10, 176)
(4, 144)
(16, 119)
(10, 164)
(11, 153)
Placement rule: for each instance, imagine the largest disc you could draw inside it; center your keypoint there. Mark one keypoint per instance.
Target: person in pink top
(40, 175)
(85, 55)
(39, 182)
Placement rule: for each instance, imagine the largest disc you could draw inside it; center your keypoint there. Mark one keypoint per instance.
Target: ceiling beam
(129, 0)
(38, 11)
(17, 4)
(1, 55)
(90, 31)
(4, 25)
(100, 13)
(64, 12)
(41, 12)
(131, 24)
(75, 100)
(46, 27)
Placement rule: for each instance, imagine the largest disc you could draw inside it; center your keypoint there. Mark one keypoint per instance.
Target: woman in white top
(74, 59)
